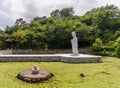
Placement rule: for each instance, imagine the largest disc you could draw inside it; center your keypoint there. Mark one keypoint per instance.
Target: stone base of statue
(74, 54)
(29, 76)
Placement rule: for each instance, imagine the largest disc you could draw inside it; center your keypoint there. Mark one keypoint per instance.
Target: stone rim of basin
(34, 75)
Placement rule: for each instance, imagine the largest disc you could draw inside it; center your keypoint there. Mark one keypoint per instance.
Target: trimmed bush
(97, 46)
(117, 47)
(117, 51)
(103, 53)
(99, 49)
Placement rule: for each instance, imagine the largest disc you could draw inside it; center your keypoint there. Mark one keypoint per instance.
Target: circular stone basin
(29, 77)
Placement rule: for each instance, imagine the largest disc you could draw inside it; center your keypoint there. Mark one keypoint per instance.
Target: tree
(67, 12)
(102, 17)
(37, 18)
(20, 21)
(100, 22)
(55, 13)
(20, 38)
(19, 24)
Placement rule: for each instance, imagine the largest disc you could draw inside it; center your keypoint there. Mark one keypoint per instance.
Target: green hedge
(108, 48)
(103, 53)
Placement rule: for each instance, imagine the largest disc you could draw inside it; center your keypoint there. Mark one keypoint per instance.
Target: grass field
(97, 75)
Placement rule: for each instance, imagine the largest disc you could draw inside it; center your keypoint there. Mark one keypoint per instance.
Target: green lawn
(97, 75)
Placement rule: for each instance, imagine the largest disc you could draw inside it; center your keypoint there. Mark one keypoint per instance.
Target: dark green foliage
(97, 46)
(117, 51)
(65, 12)
(87, 35)
(103, 17)
(103, 53)
(101, 24)
(117, 34)
(117, 47)
(108, 48)
(99, 49)
(55, 13)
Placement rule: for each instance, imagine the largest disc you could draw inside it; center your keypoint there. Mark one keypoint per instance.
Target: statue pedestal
(74, 54)
(81, 58)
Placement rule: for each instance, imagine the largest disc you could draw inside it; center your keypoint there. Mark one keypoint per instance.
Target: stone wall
(81, 60)
(30, 59)
(49, 58)
(4, 52)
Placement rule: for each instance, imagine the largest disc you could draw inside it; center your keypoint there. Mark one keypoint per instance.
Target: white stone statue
(35, 69)
(74, 43)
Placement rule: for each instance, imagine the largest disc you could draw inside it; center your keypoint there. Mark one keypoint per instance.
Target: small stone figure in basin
(34, 75)
(35, 69)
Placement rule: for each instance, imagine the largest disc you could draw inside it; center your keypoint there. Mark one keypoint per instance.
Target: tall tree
(67, 12)
(55, 13)
(20, 21)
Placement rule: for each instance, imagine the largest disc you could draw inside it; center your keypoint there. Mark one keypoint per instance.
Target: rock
(82, 75)
(35, 69)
